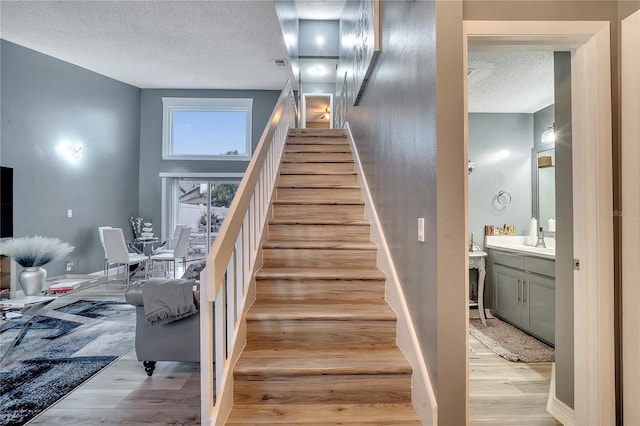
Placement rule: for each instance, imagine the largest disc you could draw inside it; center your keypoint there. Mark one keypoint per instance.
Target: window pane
(209, 133)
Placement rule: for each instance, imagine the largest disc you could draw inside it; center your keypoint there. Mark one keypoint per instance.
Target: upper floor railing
(232, 262)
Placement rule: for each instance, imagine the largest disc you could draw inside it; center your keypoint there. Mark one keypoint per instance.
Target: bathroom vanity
(523, 280)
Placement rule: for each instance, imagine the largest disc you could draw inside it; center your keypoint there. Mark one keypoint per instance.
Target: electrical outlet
(69, 213)
(421, 229)
(69, 266)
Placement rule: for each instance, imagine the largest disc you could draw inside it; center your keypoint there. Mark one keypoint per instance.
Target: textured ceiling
(218, 44)
(510, 81)
(157, 44)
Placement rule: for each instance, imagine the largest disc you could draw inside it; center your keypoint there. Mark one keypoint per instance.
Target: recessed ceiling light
(319, 40)
(318, 70)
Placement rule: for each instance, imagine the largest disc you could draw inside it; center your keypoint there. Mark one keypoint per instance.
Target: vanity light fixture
(549, 135)
(327, 114)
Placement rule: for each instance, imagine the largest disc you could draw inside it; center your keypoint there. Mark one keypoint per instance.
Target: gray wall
(500, 146)
(403, 142)
(318, 87)
(44, 101)
(151, 162)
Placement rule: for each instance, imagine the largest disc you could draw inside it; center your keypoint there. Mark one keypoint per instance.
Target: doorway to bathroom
(511, 115)
(592, 260)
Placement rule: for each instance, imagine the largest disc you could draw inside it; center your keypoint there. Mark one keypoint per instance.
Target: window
(206, 129)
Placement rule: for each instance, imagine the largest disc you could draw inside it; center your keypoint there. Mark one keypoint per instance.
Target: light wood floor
(500, 392)
(122, 393)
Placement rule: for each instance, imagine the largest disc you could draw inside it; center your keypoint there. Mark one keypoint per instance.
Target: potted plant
(32, 253)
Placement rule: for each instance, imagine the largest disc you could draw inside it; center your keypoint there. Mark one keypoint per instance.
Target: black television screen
(6, 202)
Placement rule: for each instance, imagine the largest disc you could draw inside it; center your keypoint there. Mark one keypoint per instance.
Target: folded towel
(167, 300)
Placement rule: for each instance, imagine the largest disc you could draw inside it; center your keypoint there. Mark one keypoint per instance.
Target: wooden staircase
(320, 336)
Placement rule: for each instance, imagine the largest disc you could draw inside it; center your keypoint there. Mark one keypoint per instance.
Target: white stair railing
(231, 264)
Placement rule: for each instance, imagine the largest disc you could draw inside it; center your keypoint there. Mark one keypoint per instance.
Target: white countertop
(518, 244)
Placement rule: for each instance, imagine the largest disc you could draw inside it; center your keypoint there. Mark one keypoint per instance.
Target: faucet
(540, 243)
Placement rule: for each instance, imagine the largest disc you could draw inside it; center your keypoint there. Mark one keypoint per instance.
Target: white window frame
(170, 105)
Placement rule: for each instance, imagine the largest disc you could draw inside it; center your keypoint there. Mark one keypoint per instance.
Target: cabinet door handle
(518, 290)
(524, 297)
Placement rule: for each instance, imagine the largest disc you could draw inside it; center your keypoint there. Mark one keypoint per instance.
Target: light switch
(69, 213)
(421, 229)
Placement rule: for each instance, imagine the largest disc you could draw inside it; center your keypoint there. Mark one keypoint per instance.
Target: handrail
(231, 264)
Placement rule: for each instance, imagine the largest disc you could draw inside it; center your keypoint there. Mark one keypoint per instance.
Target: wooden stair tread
(336, 361)
(324, 414)
(318, 185)
(318, 161)
(336, 245)
(317, 132)
(321, 274)
(319, 221)
(321, 202)
(316, 172)
(317, 149)
(330, 312)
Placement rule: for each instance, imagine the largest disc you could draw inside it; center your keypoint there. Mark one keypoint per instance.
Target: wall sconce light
(549, 135)
(327, 114)
(72, 152)
(470, 167)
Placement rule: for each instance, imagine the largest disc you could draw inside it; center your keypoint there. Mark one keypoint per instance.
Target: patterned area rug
(56, 356)
(509, 342)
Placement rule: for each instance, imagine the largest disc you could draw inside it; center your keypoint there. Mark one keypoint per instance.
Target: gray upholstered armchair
(178, 340)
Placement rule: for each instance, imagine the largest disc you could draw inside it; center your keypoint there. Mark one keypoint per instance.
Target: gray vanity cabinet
(524, 293)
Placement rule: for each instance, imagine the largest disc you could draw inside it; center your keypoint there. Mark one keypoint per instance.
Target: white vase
(32, 279)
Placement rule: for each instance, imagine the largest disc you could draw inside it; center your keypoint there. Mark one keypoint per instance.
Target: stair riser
(328, 157)
(316, 168)
(319, 232)
(293, 147)
(327, 181)
(340, 212)
(343, 389)
(314, 291)
(318, 194)
(293, 333)
(319, 258)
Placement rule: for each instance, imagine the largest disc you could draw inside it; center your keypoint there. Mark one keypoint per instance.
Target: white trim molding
(594, 367)
(422, 392)
(630, 216)
(558, 409)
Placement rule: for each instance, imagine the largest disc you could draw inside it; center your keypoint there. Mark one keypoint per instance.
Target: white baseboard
(558, 409)
(422, 393)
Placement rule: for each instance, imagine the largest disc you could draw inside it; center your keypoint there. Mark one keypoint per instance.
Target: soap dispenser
(540, 243)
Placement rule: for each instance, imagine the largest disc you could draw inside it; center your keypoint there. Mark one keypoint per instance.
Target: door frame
(594, 358)
(630, 215)
(304, 107)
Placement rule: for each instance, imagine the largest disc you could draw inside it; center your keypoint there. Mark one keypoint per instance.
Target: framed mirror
(543, 181)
